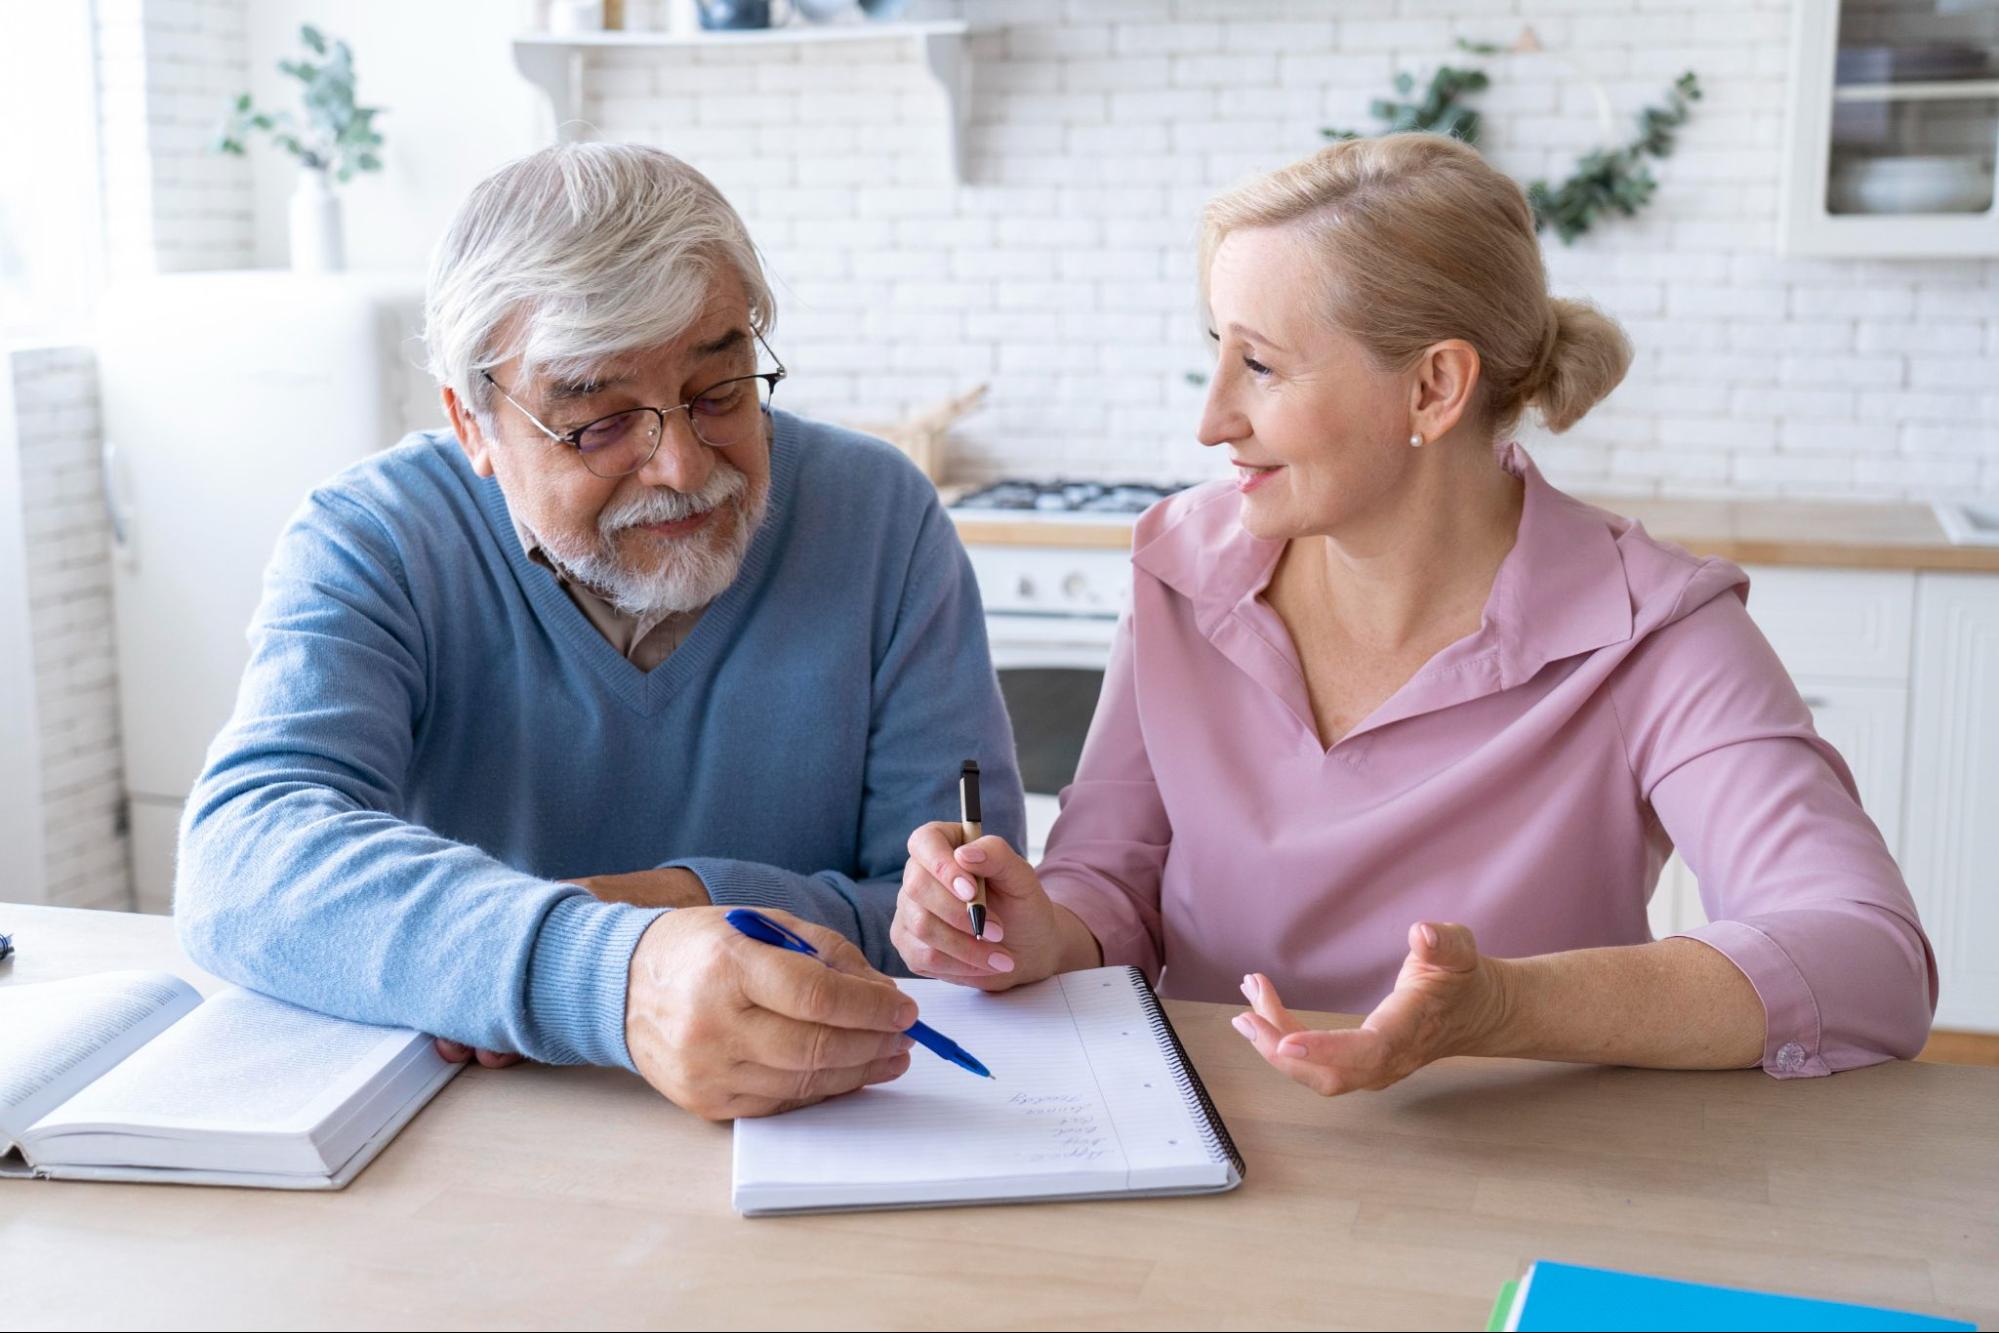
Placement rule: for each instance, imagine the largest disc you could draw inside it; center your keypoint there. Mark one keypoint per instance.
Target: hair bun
(1584, 355)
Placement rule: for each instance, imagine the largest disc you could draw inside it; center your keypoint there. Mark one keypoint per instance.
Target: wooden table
(537, 1197)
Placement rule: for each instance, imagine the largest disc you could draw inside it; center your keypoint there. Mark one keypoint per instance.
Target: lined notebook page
(1084, 1100)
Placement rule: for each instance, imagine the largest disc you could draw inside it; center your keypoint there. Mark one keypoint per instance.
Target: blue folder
(1563, 1296)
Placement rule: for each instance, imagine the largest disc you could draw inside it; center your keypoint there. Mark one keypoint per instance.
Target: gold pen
(968, 815)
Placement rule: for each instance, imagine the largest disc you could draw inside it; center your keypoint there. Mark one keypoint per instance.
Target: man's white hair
(577, 253)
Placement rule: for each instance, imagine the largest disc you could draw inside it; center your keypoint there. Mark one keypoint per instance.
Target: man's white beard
(692, 571)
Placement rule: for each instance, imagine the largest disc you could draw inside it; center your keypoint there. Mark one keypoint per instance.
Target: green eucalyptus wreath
(1608, 180)
(338, 136)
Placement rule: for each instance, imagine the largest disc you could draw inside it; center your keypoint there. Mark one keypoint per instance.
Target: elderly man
(631, 642)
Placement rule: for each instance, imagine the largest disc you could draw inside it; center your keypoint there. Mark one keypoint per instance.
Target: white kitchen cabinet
(1923, 743)
(1836, 624)
(1890, 138)
(1952, 859)
(1844, 636)
(1868, 725)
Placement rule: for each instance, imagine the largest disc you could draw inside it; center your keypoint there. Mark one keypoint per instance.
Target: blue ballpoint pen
(764, 930)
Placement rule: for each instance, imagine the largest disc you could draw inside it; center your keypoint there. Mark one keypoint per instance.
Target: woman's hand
(1027, 937)
(1448, 1000)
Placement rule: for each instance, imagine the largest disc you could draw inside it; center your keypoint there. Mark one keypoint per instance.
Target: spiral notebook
(1092, 1096)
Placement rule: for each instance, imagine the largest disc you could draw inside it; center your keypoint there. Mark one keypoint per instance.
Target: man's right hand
(725, 1026)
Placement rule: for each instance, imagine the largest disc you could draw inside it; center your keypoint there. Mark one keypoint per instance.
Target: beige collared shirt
(644, 641)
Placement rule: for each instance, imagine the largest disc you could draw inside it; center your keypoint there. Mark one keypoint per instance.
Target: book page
(242, 1062)
(1047, 1122)
(58, 1036)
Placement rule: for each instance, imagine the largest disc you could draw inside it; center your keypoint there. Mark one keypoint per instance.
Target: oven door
(1051, 670)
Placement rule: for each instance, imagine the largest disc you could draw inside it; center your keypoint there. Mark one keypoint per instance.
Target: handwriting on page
(1043, 1116)
(1072, 1124)
(1082, 1097)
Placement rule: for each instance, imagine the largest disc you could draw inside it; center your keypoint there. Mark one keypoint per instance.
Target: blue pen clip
(766, 931)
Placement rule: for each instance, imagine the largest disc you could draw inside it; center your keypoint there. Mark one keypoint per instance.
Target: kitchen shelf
(1938, 90)
(553, 62)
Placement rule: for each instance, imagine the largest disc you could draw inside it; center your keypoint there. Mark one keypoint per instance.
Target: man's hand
(458, 1053)
(1448, 1000)
(674, 887)
(726, 1026)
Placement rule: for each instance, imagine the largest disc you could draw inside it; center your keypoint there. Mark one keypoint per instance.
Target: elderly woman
(1390, 680)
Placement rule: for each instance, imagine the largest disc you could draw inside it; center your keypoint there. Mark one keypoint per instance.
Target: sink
(1969, 522)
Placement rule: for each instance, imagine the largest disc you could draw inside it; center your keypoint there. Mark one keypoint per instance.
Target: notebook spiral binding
(1213, 1132)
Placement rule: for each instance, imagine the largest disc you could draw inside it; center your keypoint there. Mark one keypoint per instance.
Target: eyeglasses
(722, 415)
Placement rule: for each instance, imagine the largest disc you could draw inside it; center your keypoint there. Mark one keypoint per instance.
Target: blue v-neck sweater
(430, 736)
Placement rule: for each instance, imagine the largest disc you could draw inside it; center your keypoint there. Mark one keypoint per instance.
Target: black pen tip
(978, 912)
(969, 766)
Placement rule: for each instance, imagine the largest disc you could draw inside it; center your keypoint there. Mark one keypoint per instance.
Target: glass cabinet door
(1894, 128)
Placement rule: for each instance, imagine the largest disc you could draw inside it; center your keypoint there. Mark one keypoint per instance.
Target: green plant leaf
(334, 134)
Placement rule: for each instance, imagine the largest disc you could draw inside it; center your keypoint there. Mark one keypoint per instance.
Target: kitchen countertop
(1824, 534)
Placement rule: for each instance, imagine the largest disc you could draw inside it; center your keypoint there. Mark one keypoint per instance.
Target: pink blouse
(1530, 781)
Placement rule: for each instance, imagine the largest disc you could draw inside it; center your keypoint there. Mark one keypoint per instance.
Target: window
(49, 229)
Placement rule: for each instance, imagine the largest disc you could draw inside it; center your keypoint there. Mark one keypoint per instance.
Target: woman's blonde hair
(1422, 240)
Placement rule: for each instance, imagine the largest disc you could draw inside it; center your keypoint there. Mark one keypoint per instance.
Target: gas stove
(1093, 501)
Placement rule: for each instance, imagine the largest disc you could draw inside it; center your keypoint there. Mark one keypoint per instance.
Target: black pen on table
(968, 817)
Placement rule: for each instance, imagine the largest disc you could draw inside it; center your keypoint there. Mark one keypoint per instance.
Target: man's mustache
(665, 505)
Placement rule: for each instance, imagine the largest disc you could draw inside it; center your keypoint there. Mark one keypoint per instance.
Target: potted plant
(335, 140)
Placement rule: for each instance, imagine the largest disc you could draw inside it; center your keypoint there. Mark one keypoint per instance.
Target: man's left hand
(675, 886)
(458, 1053)
(1448, 1000)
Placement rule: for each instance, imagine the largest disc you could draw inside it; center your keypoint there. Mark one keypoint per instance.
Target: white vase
(317, 246)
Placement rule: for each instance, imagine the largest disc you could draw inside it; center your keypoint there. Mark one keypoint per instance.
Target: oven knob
(1024, 588)
(1076, 588)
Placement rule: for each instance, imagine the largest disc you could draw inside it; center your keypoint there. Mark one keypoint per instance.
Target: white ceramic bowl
(1914, 183)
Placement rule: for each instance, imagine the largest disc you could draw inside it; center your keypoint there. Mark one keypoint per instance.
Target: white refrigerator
(226, 398)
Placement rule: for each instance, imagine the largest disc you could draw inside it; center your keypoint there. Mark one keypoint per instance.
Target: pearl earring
(1416, 439)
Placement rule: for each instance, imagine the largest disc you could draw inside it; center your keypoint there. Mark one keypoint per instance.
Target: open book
(1092, 1095)
(132, 1076)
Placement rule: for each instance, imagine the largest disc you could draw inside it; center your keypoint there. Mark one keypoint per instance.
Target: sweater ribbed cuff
(577, 975)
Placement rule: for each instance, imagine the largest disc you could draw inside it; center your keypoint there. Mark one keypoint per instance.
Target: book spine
(1207, 1119)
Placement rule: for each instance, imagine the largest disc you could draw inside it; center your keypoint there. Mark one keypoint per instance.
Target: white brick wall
(1061, 271)
(69, 628)
(166, 69)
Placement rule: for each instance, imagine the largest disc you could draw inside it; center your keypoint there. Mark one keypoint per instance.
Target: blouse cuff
(1793, 1032)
